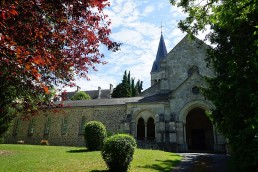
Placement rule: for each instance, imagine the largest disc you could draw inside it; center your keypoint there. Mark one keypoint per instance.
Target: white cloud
(136, 24)
(148, 10)
(127, 36)
(161, 5)
(177, 11)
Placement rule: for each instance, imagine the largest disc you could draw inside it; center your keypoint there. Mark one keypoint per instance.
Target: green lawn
(61, 158)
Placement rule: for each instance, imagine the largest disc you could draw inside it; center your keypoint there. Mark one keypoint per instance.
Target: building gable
(189, 88)
(182, 58)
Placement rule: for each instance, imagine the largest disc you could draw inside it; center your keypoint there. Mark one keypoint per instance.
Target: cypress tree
(127, 87)
(133, 88)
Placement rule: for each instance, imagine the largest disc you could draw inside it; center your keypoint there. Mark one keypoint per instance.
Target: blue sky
(136, 24)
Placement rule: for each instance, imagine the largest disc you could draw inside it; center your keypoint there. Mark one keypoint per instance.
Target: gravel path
(202, 162)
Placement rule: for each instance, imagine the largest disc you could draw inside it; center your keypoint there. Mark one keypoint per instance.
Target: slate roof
(161, 54)
(105, 94)
(161, 97)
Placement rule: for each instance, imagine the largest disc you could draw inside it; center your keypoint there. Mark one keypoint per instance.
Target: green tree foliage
(234, 89)
(127, 88)
(138, 87)
(81, 95)
(95, 134)
(118, 152)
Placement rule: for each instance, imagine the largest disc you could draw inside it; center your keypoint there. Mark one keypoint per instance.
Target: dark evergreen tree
(121, 90)
(125, 77)
(133, 88)
(129, 83)
(127, 88)
(138, 87)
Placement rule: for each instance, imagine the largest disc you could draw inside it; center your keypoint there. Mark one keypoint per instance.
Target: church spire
(161, 54)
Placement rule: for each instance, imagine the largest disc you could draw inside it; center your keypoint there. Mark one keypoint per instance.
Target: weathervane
(161, 27)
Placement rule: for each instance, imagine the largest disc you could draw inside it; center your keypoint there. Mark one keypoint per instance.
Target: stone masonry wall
(64, 126)
(182, 58)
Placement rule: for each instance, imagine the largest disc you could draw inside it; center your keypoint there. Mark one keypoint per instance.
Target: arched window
(140, 129)
(150, 129)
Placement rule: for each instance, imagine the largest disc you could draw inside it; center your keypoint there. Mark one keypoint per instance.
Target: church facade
(169, 115)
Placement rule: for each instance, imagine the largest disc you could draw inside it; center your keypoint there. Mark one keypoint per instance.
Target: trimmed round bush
(118, 152)
(95, 134)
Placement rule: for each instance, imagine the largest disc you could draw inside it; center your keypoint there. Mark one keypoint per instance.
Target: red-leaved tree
(44, 43)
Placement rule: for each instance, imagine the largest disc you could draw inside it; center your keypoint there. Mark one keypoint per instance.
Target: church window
(150, 129)
(192, 70)
(64, 125)
(47, 126)
(82, 123)
(16, 126)
(195, 90)
(31, 127)
(140, 129)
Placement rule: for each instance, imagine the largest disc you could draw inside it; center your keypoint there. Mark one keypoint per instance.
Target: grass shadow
(78, 151)
(99, 170)
(162, 165)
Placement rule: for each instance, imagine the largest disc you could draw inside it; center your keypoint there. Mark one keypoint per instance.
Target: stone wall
(64, 126)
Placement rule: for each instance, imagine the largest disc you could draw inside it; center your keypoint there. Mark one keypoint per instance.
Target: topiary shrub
(95, 134)
(118, 152)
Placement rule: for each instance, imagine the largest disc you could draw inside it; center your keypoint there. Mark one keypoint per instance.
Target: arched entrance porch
(145, 123)
(199, 131)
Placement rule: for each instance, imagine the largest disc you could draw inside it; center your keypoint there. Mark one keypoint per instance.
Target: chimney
(99, 92)
(78, 89)
(110, 91)
(64, 96)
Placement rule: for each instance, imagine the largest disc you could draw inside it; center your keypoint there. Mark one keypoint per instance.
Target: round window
(195, 90)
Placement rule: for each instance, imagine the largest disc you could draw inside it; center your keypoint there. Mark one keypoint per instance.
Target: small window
(82, 123)
(31, 127)
(16, 126)
(192, 70)
(47, 126)
(195, 90)
(64, 125)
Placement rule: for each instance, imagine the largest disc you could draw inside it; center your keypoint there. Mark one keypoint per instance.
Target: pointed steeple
(161, 54)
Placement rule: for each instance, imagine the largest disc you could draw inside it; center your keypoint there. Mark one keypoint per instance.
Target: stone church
(169, 115)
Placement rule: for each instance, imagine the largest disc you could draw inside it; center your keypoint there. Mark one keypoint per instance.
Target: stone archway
(199, 131)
